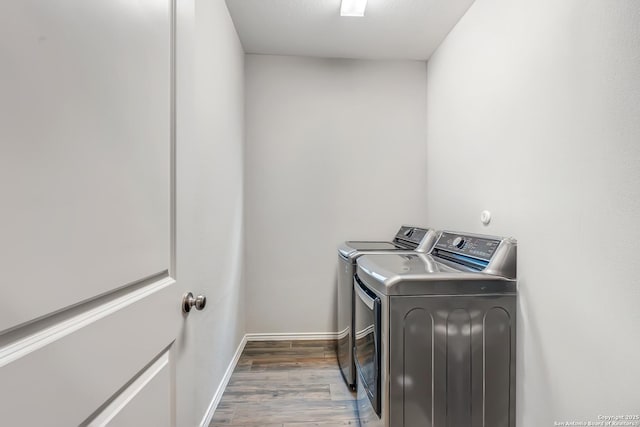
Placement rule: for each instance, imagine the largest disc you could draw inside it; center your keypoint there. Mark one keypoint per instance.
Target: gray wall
(209, 193)
(335, 150)
(533, 113)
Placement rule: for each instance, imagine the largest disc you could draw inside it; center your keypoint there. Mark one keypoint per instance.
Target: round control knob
(458, 242)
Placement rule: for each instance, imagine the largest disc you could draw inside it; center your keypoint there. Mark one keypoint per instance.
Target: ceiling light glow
(353, 7)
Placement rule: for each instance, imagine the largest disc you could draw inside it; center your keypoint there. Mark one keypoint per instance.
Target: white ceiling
(390, 29)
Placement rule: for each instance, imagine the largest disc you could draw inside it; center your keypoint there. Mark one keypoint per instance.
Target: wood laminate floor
(286, 384)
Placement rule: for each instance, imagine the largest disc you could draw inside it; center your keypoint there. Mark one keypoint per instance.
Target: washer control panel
(471, 246)
(410, 236)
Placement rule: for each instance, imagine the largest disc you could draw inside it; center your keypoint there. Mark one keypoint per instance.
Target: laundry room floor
(286, 384)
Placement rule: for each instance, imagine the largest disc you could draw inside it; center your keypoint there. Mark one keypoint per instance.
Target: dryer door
(368, 347)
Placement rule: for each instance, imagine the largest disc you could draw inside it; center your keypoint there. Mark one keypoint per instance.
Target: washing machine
(435, 334)
(408, 239)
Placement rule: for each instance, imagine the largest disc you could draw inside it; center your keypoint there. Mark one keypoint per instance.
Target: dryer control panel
(411, 237)
(471, 246)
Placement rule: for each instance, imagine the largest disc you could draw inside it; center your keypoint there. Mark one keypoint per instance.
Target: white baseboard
(223, 384)
(291, 336)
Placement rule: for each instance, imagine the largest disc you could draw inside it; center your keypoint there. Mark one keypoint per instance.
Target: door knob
(189, 301)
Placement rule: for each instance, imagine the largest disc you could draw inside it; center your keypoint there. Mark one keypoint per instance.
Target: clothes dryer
(435, 334)
(408, 239)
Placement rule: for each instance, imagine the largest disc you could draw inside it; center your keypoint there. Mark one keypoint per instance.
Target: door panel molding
(85, 170)
(173, 22)
(60, 325)
(158, 370)
(63, 378)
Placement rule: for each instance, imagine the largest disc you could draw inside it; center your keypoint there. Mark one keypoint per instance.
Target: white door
(90, 315)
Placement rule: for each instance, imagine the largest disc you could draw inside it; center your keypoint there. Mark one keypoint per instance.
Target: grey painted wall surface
(533, 114)
(335, 150)
(210, 94)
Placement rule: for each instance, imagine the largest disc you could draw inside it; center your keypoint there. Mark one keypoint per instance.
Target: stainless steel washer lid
(408, 238)
(418, 274)
(347, 249)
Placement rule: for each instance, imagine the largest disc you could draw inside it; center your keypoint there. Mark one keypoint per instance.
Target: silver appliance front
(448, 334)
(370, 352)
(408, 239)
(368, 348)
(344, 346)
(450, 361)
